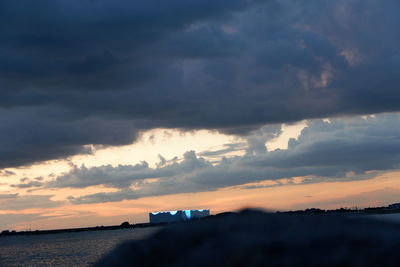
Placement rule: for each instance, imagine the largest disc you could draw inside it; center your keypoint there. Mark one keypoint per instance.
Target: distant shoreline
(391, 209)
(83, 229)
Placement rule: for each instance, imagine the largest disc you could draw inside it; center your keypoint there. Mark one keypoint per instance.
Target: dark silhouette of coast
(393, 208)
(124, 225)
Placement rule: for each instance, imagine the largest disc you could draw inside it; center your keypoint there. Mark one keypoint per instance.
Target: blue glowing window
(188, 214)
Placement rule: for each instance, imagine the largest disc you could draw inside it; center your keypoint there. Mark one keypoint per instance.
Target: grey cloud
(343, 149)
(228, 148)
(124, 175)
(106, 197)
(6, 173)
(121, 176)
(28, 184)
(75, 73)
(162, 161)
(256, 141)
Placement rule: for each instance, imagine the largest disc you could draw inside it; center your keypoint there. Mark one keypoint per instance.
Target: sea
(65, 249)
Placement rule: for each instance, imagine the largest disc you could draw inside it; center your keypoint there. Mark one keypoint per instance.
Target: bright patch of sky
(288, 131)
(169, 143)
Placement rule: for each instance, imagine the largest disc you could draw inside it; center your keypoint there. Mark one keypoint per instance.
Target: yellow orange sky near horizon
(170, 143)
(381, 190)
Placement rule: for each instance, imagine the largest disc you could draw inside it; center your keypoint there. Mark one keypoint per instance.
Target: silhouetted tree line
(393, 208)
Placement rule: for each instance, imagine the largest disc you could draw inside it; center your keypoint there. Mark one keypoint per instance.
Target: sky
(111, 109)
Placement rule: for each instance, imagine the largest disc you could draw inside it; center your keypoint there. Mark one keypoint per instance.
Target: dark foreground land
(255, 238)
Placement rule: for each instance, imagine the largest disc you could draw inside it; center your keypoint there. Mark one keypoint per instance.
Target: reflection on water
(392, 217)
(64, 249)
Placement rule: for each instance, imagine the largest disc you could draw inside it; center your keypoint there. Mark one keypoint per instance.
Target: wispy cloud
(21, 202)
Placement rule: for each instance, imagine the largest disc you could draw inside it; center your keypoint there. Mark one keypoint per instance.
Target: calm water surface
(64, 249)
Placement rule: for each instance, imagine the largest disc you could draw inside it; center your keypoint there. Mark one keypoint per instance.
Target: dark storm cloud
(81, 72)
(36, 134)
(342, 149)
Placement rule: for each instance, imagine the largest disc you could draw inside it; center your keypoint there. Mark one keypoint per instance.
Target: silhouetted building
(177, 215)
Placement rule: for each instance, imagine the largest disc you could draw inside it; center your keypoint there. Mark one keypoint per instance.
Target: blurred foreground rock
(255, 238)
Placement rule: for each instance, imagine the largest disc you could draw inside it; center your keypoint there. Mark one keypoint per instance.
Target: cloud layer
(342, 149)
(74, 73)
